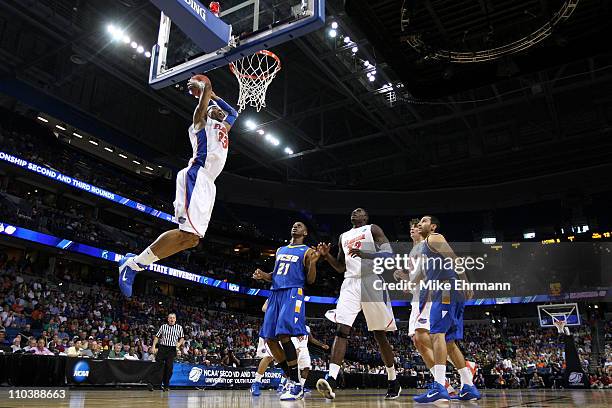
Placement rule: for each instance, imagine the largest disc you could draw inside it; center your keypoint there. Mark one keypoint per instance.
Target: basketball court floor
(368, 398)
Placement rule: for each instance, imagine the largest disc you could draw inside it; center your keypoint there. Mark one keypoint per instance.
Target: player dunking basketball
(195, 184)
(285, 316)
(361, 243)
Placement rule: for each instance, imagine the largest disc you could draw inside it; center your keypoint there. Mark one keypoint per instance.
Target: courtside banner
(185, 375)
(81, 185)
(88, 371)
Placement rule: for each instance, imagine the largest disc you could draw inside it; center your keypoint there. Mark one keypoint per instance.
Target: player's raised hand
(259, 274)
(315, 254)
(323, 248)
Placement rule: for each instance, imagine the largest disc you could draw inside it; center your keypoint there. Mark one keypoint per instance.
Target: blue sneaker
(469, 393)
(436, 392)
(256, 389)
(294, 393)
(127, 273)
(281, 387)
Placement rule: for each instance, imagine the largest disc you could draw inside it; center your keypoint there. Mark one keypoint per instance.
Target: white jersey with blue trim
(360, 238)
(210, 147)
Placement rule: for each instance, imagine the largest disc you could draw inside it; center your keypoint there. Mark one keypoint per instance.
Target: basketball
(194, 90)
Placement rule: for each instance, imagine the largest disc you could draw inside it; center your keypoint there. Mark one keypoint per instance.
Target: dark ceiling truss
(475, 110)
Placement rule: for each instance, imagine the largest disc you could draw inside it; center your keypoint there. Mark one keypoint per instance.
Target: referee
(170, 338)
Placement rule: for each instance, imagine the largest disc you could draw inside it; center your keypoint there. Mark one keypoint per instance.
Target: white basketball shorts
(377, 309)
(194, 201)
(419, 319)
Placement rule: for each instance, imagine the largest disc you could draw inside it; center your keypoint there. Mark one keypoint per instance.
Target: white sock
(302, 382)
(258, 377)
(431, 370)
(391, 376)
(466, 376)
(147, 257)
(440, 373)
(334, 369)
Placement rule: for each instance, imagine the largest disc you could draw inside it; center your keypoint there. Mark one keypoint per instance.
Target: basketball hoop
(254, 73)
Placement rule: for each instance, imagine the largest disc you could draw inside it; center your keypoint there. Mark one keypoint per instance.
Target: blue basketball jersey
(289, 269)
(436, 266)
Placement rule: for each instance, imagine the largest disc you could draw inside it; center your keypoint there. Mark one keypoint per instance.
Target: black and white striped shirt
(169, 335)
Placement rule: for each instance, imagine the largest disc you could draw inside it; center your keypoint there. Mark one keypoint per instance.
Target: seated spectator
(131, 354)
(55, 345)
(40, 348)
(16, 346)
(117, 352)
(229, 359)
(536, 381)
(86, 350)
(75, 350)
(31, 345)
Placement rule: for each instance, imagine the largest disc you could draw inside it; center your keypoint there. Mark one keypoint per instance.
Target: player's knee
(380, 336)
(191, 240)
(343, 331)
(419, 338)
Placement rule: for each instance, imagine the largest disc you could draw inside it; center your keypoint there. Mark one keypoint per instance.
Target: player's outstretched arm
(199, 115)
(381, 242)
(337, 263)
(312, 256)
(316, 342)
(232, 114)
(261, 275)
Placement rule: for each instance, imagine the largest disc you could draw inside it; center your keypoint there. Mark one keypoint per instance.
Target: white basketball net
(254, 73)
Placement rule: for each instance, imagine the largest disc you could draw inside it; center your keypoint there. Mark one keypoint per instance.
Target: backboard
(193, 40)
(567, 312)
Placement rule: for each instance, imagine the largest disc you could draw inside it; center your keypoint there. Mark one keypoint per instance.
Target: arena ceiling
(543, 111)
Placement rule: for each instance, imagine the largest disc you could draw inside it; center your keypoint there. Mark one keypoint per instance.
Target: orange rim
(264, 76)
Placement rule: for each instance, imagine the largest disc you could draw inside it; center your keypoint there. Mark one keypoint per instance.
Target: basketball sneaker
(435, 393)
(294, 393)
(469, 393)
(282, 385)
(256, 389)
(326, 387)
(394, 390)
(127, 273)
